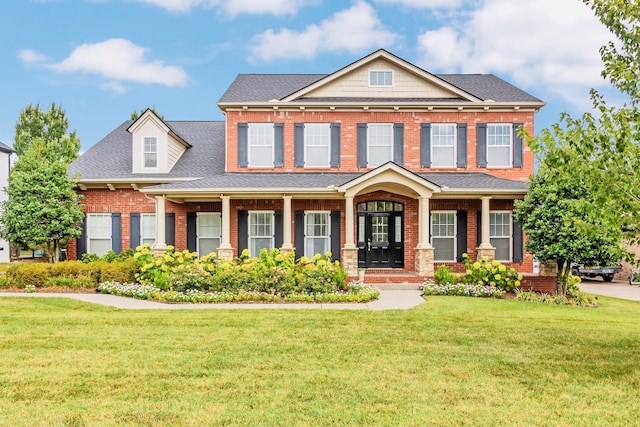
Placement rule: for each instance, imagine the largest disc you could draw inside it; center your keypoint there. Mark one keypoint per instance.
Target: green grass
(451, 361)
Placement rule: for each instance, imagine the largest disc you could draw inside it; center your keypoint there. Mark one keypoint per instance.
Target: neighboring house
(389, 167)
(5, 167)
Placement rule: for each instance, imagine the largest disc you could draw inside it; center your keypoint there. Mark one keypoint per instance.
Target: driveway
(617, 289)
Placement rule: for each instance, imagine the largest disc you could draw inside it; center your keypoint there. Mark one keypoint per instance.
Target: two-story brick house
(389, 167)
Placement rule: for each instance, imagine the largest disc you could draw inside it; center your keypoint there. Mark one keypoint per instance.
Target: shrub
(118, 271)
(581, 299)
(445, 275)
(71, 269)
(490, 273)
(28, 274)
(461, 289)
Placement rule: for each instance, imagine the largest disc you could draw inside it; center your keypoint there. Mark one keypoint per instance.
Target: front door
(380, 236)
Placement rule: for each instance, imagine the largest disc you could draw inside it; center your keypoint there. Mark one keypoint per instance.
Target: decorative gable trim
(399, 62)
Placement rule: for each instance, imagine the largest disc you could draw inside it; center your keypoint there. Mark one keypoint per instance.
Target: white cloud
(423, 4)
(553, 43)
(350, 30)
(29, 56)
(234, 7)
(120, 60)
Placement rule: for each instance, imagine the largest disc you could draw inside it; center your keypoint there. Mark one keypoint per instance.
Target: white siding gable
(405, 84)
(169, 147)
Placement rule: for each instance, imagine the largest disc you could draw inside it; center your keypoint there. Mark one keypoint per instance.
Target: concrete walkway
(389, 300)
(616, 289)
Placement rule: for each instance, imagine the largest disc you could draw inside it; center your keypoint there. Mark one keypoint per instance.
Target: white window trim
(145, 152)
(249, 145)
(390, 159)
(306, 139)
(510, 234)
(510, 162)
(454, 237)
(328, 236)
(142, 236)
(455, 146)
(381, 71)
(273, 230)
(89, 237)
(198, 236)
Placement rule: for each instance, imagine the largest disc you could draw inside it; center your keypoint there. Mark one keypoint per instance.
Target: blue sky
(102, 59)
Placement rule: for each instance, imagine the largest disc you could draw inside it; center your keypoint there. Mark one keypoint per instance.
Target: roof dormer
(156, 147)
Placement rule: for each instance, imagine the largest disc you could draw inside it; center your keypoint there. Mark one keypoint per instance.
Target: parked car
(590, 271)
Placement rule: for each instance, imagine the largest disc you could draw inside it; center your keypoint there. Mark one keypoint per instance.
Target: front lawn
(451, 361)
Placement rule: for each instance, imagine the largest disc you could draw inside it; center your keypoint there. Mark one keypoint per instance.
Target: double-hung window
(443, 235)
(209, 226)
(148, 229)
(379, 144)
(317, 143)
(261, 231)
(380, 78)
(500, 234)
(150, 153)
(317, 229)
(499, 145)
(260, 144)
(98, 233)
(443, 145)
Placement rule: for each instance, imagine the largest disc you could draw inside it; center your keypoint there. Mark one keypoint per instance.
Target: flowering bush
(461, 289)
(490, 273)
(356, 292)
(272, 272)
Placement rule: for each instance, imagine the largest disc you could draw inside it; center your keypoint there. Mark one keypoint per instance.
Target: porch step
(397, 286)
(392, 280)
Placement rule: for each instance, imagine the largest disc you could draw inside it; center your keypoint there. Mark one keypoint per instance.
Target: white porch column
(349, 228)
(486, 219)
(225, 243)
(225, 250)
(287, 242)
(423, 226)
(161, 244)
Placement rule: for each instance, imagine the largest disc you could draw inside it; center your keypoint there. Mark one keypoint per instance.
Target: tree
(48, 128)
(598, 153)
(42, 210)
(555, 215)
(135, 114)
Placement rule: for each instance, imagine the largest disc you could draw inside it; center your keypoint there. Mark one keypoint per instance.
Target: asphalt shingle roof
(266, 87)
(5, 148)
(111, 157)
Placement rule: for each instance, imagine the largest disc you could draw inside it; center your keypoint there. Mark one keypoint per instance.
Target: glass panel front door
(380, 236)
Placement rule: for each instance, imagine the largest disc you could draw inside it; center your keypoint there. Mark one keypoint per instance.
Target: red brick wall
(411, 120)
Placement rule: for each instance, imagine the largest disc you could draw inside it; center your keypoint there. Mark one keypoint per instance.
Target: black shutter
(191, 231)
(478, 227)
(170, 228)
(134, 228)
(278, 140)
(481, 145)
(335, 235)
(116, 232)
(518, 146)
(298, 232)
(81, 242)
(461, 242)
(298, 145)
(462, 145)
(398, 143)
(362, 145)
(425, 145)
(243, 231)
(243, 129)
(518, 247)
(278, 229)
(335, 145)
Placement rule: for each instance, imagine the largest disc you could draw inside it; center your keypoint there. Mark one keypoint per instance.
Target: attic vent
(381, 78)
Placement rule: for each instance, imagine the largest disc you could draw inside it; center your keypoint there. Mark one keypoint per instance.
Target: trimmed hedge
(71, 274)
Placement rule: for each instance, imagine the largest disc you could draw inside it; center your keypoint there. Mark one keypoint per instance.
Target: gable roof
(264, 88)
(6, 149)
(111, 158)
